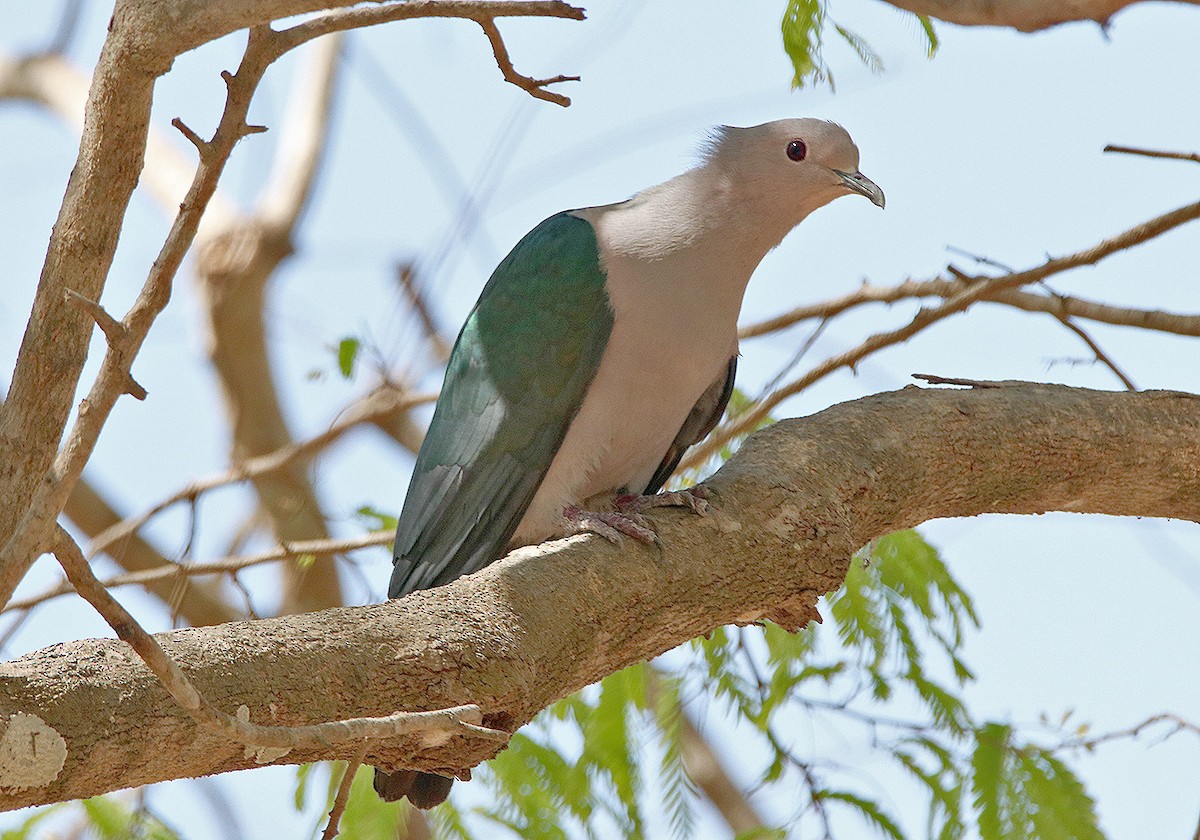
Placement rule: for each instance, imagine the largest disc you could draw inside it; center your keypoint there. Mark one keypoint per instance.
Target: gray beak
(859, 183)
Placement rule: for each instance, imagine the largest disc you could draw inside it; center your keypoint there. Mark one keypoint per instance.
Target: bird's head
(796, 165)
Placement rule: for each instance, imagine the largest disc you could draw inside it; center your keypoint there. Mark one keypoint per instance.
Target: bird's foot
(610, 524)
(695, 497)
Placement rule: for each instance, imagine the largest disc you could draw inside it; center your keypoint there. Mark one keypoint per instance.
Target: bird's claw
(695, 498)
(611, 524)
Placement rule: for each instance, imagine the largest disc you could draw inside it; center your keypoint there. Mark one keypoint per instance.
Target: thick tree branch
(790, 508)
(1023, 15)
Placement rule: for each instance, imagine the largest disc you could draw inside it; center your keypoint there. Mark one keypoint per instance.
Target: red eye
(796, 150)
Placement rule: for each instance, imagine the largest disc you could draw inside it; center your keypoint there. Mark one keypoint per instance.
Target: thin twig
(1150, 319)
(1132, 150)
(466, 719)
(977, 288)
(406, 280)
(307, 548)
(343, 793)
(534, 87)
(380, 403)
(68, 25)
(482, 12)
(1101, 356)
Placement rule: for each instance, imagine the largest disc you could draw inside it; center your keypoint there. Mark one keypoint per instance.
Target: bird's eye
(796, 150)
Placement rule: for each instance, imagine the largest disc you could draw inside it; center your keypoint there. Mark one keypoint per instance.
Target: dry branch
(1057, 305)
(1154, 153)
(36, 477)
(380, 406)
(791, 507)
(974, 289)
(1023, 15)
(179, 573)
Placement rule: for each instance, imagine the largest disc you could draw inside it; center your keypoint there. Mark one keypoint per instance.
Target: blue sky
(993, 146)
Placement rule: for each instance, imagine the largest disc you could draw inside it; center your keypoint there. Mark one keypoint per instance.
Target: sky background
(994, 146)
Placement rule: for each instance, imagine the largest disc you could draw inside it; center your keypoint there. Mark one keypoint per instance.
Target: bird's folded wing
(516, 378)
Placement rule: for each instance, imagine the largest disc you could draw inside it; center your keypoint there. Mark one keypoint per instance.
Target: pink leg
(610, 524)
(693, 497)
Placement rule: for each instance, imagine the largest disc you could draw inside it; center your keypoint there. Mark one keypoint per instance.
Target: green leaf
(22, 832)
(802, 23)
(865, 52)
(1062, 807)
(987, 780)
(111, 819)
(930, 35)
(367, 817)
(762, 833)
(347, 354)
(303, 774)
(676, 787)
(868, 809)
(375, 519)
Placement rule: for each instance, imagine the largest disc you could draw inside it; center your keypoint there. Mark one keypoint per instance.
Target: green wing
(515, 380)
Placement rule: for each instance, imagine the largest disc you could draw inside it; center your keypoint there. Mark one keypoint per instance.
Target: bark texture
(791, 507)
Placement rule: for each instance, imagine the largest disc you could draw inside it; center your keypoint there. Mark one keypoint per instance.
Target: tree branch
(790, 508)
(1052, 304)
(1154, 153)
(1022, 15)
(179, 572)
(238, 727)
(974, 289)
(143, 40)
(380, 406)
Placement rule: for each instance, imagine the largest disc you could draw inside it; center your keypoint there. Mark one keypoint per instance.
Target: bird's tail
(423, 790)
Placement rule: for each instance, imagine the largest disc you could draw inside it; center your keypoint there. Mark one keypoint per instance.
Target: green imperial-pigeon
(602, 347)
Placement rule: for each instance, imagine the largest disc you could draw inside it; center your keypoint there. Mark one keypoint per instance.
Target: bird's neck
(699, 212)
(696, 230)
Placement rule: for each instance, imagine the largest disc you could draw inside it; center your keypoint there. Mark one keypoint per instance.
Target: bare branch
(1022, 15)
(1149, 319)
(198, 602)
(534, 87)
(314, 549)
(974, 289)
(382, 403)
(140, 46)
(790, 508)
(483, 13)
(33, 534)
(303, 137)
(68, 25)
(343, 794)
(1101, 356)
(1131, 150)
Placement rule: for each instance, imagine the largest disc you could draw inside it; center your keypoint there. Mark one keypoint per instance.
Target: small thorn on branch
(113, 329)
(202, 145)
(248, 129)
